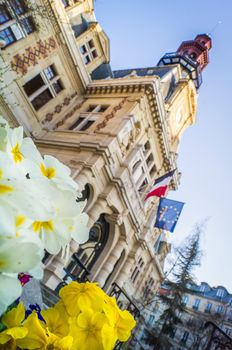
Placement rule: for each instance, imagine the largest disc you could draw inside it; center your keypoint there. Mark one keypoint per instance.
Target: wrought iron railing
(78, 271)
(124, 300)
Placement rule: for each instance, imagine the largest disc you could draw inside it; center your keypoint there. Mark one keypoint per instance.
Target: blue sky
(140, 33)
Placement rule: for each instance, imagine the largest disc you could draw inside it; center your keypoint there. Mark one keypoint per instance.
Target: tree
(181, 275)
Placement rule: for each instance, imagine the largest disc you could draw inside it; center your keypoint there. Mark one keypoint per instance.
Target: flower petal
(10, 290)
(15, 316)
(20, 254)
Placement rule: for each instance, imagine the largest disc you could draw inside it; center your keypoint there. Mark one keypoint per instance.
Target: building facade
(116, 130)
(202, 305)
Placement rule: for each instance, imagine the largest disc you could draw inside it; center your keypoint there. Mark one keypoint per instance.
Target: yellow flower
(77, 296)
(38, 336)
(13, 321)
(56, 320)
(119, 326)
(86, 330)
(64, 343)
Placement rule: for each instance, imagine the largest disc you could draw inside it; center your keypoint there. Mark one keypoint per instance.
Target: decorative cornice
(147, 88)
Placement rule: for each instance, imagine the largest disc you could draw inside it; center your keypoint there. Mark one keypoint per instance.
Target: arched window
(88, 253)
(136, 165)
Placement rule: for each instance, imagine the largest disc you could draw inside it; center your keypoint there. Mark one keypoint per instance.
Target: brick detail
(58, 108)
(21, 62)
(109, 116)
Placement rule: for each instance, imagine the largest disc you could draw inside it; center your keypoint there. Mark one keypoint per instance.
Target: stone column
(54, 272)
(125, 271)
(108, 266)
(73, 247)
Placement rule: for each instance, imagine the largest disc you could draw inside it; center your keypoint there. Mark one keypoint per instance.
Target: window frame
(88, 53)
(220, 293)
(4, 37)
(20, 23)
(196, 304)
(88, 116)
(48, 85)
(7, 14)
(208, 307)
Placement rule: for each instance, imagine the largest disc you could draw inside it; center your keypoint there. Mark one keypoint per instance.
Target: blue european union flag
(168, 213)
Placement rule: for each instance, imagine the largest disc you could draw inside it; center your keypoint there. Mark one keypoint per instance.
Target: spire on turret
(197, 49)
(192, 55)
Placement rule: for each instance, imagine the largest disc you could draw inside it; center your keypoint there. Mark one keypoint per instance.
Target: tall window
(185, 300)
(172, 332)
(185, 337)
(18, 6)
(208, 307)
(149, 286)
(143, 168)
(220, 293)
(88, 51)
(43, 87)
(87, 118)
(4, 14)
(219, 309)
(196, 304)
(137, 270)
(16, 21)
(151, 319)
(202, 288)
(230, 315)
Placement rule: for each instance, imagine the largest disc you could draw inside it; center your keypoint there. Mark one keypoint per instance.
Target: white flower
(8, 169)
(32, 198)
(52, 169)
(20, 148)
(68, 222)
(78, 227)
(10, 290)
(20, 254)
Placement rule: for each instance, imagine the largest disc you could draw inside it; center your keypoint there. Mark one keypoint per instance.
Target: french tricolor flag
(160, 186)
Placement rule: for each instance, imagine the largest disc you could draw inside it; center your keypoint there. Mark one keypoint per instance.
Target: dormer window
(88, 51)
(220, 293)
(202, 288)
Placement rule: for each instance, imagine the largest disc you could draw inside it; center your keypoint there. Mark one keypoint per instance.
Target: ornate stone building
(116, 130)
